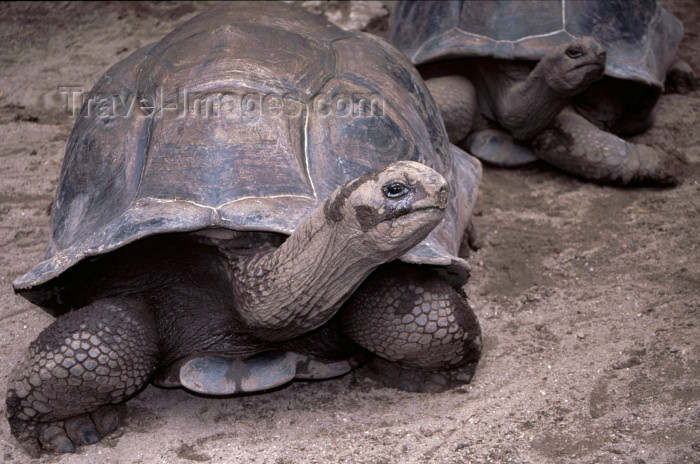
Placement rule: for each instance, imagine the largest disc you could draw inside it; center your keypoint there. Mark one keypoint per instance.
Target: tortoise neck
(301, 284)
(526, 103)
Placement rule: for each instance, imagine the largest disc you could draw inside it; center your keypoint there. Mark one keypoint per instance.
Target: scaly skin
(99, 355)
(529, 109)
(577, 146)
(455, 97)
(301, 285)
(61, 395)
(520, 98)
(416, 320)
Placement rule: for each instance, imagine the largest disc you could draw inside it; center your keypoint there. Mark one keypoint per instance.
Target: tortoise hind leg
(576, 145)
(455, 98)
(680, 78)
(64, 392)
(426, 336)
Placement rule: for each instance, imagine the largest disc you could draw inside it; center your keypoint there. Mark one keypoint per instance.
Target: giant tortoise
(555, 80)
(280, 202)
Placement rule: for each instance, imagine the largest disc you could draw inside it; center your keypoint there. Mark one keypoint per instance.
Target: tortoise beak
(442, 197)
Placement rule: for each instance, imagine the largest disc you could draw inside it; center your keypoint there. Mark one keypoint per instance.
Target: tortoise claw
(67, 435)
(54, 439)
(81, 430)
(108, 418)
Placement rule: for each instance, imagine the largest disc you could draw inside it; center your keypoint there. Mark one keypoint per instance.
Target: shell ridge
(305, 160)
(172, 189)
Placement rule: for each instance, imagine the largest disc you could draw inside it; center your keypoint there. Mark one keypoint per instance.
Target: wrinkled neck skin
(523, 101)
(300, 285)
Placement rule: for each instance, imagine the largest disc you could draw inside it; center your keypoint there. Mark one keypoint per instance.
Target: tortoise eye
(574, 52)
(395, 190)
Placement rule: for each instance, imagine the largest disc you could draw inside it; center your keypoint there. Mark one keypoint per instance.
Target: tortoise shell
(245, 117)
(640, 37)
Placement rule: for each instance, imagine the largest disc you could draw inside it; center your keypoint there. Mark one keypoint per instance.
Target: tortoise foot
(62, 393)
(395, 376)
(577, 146)
(65, 436)
(681, 78)
(663, 169)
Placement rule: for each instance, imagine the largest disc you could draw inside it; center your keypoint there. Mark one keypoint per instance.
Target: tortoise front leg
(425, 333)
(63, 393)
(576, 145)
(455, 97)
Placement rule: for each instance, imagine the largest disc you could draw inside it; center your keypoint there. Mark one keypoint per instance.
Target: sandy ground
(588, 295)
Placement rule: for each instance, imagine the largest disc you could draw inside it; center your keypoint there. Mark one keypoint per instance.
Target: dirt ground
(588, 295)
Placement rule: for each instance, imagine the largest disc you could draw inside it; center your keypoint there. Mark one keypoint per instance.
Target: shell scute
(232, 137)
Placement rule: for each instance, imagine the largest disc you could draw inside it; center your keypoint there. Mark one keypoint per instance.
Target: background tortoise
(533, 71)
(212, 245)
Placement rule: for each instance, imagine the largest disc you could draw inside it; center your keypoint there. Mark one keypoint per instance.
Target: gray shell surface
(269, 151)
(640, 37)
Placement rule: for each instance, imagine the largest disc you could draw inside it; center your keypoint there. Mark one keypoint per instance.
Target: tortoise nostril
(443, 195)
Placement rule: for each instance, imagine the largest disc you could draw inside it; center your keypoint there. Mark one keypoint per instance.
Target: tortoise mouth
(590, 64)
(402, 214)
(424, 216)
(437, 209)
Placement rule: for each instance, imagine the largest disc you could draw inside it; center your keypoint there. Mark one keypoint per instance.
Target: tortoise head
(570, 68)
(392, 210)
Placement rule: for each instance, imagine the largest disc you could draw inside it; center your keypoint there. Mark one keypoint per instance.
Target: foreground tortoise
(555, 80)
(285, 214)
